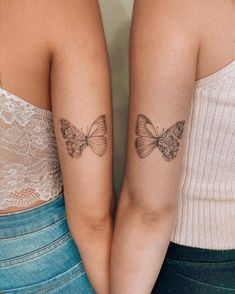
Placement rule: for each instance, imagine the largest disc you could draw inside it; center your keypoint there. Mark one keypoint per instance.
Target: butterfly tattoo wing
(146, 136)
(168, 142)
(74, 139)
(96, 139)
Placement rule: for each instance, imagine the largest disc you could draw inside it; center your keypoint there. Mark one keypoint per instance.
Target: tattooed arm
(164, 47)
(81, 103)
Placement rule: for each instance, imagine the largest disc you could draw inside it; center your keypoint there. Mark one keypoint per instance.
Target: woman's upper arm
(81, 105)
(163, 57)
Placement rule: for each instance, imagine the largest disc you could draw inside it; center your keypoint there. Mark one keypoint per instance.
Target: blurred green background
(117, 18)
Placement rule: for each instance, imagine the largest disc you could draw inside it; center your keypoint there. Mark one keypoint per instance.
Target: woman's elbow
(91, 219)
(99, 221)
(149, 209)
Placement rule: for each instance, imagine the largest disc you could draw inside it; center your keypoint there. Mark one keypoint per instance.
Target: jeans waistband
(187, 253)
(28, 221)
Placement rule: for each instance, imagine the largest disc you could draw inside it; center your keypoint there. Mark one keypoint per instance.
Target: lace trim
(29, 164)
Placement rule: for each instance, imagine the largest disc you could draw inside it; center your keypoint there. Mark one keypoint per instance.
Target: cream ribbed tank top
(206, 213)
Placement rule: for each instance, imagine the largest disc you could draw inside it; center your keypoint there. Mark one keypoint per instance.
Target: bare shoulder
(164, 20)
(71, 11)
(60, 8)
(179, 7)
(55, 17)
(174, 15)
(63, 18)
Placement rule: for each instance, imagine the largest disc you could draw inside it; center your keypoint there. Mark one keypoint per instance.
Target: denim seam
(36, 230)
(80, 273)
(199, 282)
(77, 270)
(186, 262)
(182, 248)
(36, 253)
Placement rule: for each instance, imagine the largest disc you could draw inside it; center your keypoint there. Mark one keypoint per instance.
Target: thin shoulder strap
(0, 80)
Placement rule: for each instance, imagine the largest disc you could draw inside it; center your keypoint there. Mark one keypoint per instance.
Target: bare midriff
(16, 209)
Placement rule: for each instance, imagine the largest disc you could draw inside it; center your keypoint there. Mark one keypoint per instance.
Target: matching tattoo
(146, 141)
(148, 138)
(77, 140)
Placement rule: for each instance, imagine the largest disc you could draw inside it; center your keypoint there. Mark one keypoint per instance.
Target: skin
(170, 49)
(53, 55)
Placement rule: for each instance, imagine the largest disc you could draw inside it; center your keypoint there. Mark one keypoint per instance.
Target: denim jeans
(188, 270)
(38, 254)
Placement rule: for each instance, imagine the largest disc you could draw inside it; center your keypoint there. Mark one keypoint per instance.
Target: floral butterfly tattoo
(148, 138)
(77, 140)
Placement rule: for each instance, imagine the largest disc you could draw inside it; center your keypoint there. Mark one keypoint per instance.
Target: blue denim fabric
(188, 270)
(38, 254)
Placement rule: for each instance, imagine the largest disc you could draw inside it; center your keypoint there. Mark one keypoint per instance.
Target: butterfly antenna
(163, 130)
(157, 132)
(82, 131)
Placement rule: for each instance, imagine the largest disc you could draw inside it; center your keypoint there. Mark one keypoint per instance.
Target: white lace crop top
(29, 165)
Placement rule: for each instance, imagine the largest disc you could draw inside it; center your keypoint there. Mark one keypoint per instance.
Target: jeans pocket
(11, 248)
(56, 283)
(35, 253)
(40, 265)
(212, 274)
(172, 281)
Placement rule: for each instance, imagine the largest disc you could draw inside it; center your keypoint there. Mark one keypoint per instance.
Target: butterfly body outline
(148, 138)
(77, 141)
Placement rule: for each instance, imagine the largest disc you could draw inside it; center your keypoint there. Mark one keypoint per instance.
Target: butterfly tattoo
(148, 138)
(77, 140)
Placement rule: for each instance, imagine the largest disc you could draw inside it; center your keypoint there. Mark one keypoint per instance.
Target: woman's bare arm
(81, 104)
(164, 49)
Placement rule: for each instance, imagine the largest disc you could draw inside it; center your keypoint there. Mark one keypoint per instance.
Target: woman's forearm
(140, 243)
(94, 243)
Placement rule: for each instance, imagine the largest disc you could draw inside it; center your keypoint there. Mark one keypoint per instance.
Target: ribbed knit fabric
(206, 213)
